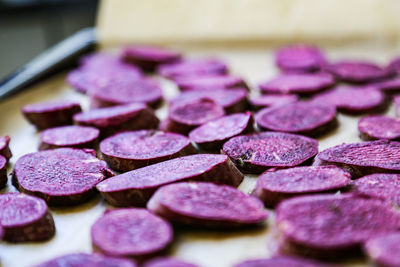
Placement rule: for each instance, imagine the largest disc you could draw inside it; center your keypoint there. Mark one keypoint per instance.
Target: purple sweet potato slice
(69, 136)
(394, 65)
(364, 158)
(232, 100)
(332, 226)
(105, 61)
(51, 114)
(88, 260)
(193, 67)
(118, 118)
(3, 172)
(149, 57)
(213, 134)
(274, 186)
(135, 149)
(206, 204)
(131, 232)
(384, 250)
(134, 188)
(168, 262)
(353, 100)
(299, 58)
(62, 176)
(379, 127)
(184, 117)
(287, 261)
(4, 147)
(304, 118)
(25, 218)
(396, 101)
(265, 101)
(358, 71)
(388, 86)
(210, 82)
(304, 84)
(254, 153)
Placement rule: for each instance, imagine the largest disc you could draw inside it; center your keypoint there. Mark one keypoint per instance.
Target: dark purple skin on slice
(25, 218)
(206, 204)
(133, 232)
(353, 100)
(209, 82)
(390, 86)
(62, 176)
(304, 118)
(4, 147)
(168, 262)
(254, 153)
(379, 127)
(287, 261)
(69, 136)
(126, 90)
(88, 260)
(384, 250)
(358, 71)
(232, 100)
(118, 118)
(132, 150)
(299, 58)
(51, 114)
(274, 186)
(396, 101)
(394, 65)
(184, 117)
(332, 226)
(304, 84)
(213, 134)
(265, 101)
(149, 57)
(193, 67)
(135, 188)
(364, 158)
(3, 172)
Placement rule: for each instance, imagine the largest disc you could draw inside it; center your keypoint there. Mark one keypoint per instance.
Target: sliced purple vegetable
(135, 149)
(379, 127)
(3, 172)
(254, 153)
(168, 262)
(206, 204)
(384, 250)
(134, 188)
(88, 260)
(4, 147)
(209, 82)
(388, 86)
(62, 176)
(105, 61)
(287, 261)
(51, 114)
(132, 232)
(394, 65)
(265, 101)
(25, 218)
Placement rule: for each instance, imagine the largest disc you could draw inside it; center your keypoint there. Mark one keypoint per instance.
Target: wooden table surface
(206, 248)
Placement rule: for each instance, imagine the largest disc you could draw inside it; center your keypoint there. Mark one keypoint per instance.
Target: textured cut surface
(379, 127)
(193, 67)
(168, 262)
(281, 261)
(209, 82)
(299, 58)
(87, 260)
(384, 250)
(264, 101)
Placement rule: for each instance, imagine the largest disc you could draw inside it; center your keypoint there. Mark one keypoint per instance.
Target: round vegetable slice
(298, 84)
(131, 150)
(62, 176)
(209, 82)
(69, 136)
(254, 153)
(89, 260)
(265, 101)
(274, 186)
(25, 218)
(168, 262)
(134, 188)
(4, 147)
(332, 226)
(51, 114)
(300, 117)
(384, 250)
(379, 127)
(388, 86)
(131, 232)
(207, 204)
(213, 134)
(3, 172)
(287, 261)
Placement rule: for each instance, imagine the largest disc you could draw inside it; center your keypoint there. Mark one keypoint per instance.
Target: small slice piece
(3, 172)
(207, 204)
(193, 67)
(131, 150)
(62, 176)
(168, 262)
(379, 127)
(286, 261)
(134, 188)
(213, 134)
(25, 218)
(69, 136)
(254, 153)
(388, 86)
(304, 84)
(118, 118)
(88, 260)
(304, 118)
(265, 101)
(51, 114)
(384, 250)
(131, 232)
(4, 147)
(210, 82)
